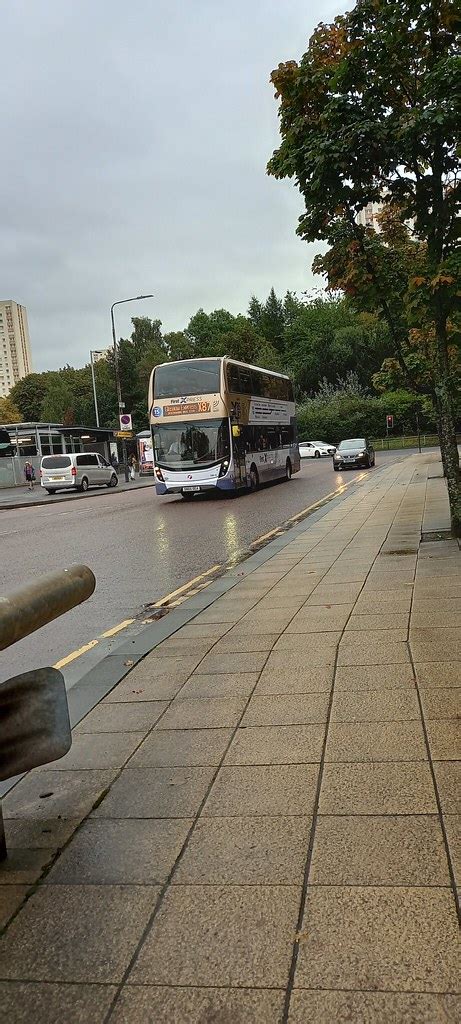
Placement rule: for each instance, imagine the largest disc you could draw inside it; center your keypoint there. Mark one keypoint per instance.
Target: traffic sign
(123, 434)
(125, 421)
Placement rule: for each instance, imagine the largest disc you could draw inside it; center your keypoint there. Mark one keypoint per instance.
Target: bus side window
(233, 382)
(273, 438)
(287, 436)
(245, 380)
(257, 389)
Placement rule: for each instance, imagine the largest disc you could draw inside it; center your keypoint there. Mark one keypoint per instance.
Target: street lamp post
(118, 385)
(95, 397)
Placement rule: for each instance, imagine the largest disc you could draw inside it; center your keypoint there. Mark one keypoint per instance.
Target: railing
(34, 717)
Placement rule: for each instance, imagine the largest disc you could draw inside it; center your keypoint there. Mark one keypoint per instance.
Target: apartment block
(15, 357)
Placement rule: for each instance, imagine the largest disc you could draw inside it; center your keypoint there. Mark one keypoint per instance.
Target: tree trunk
(447, 435)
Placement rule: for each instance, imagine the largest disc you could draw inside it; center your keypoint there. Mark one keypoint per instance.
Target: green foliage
(28, 395)
(9, 412)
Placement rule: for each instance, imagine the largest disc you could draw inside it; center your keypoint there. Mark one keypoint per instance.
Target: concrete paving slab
(235, 644)
(385, 705)
(318, 619)
(11, 898)
(378, 602)
(373, 677)
(77, 933)
(180, 647)
(439, 703)
(435, 567)
(380, 741)
(50, 794)
(442, 617)
(245, 851)
(122, 717)
(263, 790)
(157, 690)
(448, 781)
(444, 674)
(337, 593)
(373, 1008)
(182, 748)
(24, 866)
(435, 644)
(97, 750)
(287, 709)
(43, 1003)
(121, 852)
(47, 834)
(280, 744)
(373, 623)
(164, 1005)
(371, 788)
(218, 684)
(381, 649)
(221, 936)
(250, 661)
(444, 739)
(372, 850)
(297, 677)
(156, 793)
(213, 713)
(396, 939)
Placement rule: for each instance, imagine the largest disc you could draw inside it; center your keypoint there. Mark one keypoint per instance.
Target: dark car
(356, 451)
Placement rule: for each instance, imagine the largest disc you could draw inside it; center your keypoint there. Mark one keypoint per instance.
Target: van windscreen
(55, 462)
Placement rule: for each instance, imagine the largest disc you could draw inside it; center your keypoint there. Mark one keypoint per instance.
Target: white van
(79, 472)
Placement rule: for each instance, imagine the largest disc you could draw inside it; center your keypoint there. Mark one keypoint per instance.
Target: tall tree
(370, 115)
(9, 412)
(28, 395)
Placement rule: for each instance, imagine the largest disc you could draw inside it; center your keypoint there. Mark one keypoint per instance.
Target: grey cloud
(135, 138)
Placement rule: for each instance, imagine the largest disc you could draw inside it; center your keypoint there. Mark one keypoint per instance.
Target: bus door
(238, 448)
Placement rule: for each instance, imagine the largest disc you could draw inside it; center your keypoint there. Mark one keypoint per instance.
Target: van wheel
(254, 478)
(316, 454)
(51, 490)
(113, 481)
(84, 484)
(288, 470)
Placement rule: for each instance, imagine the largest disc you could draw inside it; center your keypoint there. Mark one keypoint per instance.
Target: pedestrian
(114, 461)
(29, 473)
(132, 467)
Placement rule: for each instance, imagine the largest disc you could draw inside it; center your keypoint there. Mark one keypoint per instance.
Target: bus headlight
(158, 473)
(224, 467)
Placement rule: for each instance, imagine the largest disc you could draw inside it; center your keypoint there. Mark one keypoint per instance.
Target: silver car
(76, 471)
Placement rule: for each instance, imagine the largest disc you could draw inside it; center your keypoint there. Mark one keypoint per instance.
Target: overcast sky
(134, 142)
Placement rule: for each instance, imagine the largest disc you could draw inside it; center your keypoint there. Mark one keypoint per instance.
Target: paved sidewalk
(259, 824)
(21, 497)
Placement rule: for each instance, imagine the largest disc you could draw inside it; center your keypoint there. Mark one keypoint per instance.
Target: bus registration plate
(195, 488)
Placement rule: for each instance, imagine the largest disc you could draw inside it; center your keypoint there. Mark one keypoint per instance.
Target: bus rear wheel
(254, 478)
(288, 470)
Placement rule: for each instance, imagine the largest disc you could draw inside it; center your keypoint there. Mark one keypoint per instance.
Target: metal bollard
(30, 607)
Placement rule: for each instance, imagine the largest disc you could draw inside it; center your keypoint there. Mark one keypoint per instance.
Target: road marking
(75, 654)
(116, 629)
(186, 586)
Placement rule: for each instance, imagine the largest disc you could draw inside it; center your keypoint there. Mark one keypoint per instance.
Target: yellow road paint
(116, 629)
(186, 586)
(266, 536)
(75, 654)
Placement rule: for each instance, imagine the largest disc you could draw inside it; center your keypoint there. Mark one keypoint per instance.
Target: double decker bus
(220, 424)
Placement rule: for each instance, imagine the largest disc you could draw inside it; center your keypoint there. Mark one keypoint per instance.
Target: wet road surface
(141, 547)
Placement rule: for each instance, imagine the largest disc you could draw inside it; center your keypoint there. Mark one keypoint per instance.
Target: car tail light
(74, 471)
(158, 473)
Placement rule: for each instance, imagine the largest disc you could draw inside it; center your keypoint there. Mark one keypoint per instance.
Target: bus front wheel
(254, 478)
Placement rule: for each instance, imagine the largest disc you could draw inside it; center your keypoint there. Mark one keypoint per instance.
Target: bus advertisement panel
(220, 424)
